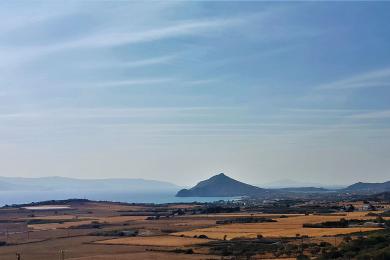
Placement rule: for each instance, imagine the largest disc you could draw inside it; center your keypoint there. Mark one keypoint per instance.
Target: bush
(375, 246)
(183, 251)
(117, 233)
(245, 220)
(189, 251)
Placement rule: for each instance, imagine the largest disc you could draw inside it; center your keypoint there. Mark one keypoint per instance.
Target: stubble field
(284, 227)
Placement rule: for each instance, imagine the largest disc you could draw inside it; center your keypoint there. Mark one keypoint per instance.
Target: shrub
(189, 251)
(303, 257)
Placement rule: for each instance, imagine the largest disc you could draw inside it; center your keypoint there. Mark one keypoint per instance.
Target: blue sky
(179, 91)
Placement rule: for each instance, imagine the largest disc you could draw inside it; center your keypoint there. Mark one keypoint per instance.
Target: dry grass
(252, 230)
(193, 222)
(119, 219)
(232, 215)
(51, 226)
(113, 207)
(81, 248)
(168, 241)
(284, 227)
(48, 207)
(150, 256)
(76, 222)
(183, 206)
(54, 217)
(47, 239)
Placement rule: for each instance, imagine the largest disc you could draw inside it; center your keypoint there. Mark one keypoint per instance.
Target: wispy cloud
(110, 112)
(107, 39)
(19, 115)
(176, 30)
(202, 81)
(383, 114)
(130, 82)
(322, 110)
(174, 81)
(376, 78)
(34, 15)
(166, 59)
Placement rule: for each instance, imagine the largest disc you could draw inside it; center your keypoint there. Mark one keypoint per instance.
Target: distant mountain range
(217, 186)
(71, 184)
(303, 190)
(287, 183)
(221, 186)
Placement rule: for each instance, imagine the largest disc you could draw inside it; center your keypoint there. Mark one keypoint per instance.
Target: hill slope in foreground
(220, 186)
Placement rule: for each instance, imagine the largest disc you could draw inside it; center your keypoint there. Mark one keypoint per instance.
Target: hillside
(221, 186)
(369, 187)
(383, 196)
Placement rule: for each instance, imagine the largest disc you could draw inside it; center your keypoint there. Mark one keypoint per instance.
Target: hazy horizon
(275, 183)
(180, 91)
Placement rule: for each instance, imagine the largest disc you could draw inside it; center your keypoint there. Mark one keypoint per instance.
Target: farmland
(284, 227)
(155, 241)
(107, 230)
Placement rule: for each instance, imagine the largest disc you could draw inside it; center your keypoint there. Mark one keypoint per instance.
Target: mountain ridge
(220, 186)
(369, 187)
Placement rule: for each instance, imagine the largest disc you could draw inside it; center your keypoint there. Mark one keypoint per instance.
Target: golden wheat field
(284, 227)
(155, 241)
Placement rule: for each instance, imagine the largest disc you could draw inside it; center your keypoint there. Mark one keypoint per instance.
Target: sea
(22, 197)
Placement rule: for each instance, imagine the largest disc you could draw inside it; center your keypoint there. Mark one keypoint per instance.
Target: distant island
(221, 186)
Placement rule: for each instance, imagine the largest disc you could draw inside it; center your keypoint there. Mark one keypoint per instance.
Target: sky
(180, 91)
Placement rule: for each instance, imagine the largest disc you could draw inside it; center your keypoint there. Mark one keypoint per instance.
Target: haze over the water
(180, 91)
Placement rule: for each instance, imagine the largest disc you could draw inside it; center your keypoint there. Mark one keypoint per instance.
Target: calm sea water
(19, 197)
